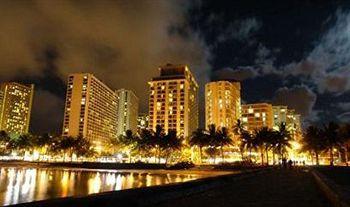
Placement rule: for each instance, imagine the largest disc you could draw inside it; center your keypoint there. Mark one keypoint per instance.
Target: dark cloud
(238, 74)
(240, 30)
(345, 106)
(121, 42)
(47, 112)
(300, 98)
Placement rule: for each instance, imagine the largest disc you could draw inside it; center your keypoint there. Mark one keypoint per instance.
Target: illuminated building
(279, 116)
(90, 110)
(282, 114)
(128, 107)
(142, 121)
(173, 100)
(222, 103)
(293, 123)
(15, 107)
(256, 116)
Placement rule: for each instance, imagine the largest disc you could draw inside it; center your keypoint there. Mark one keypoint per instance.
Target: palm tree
(281, 139)
(158, 135)
(21, 143)
(4, 139)
(82, 146)
(128, 141)
(223, 139)
(199, 139)
(247, 142)
(331, 135)
(345, 136)
(169, 143)
(238, 129)
(211, 152)
(64, 144)
(313, 142)
(212, 139)
(263, 140)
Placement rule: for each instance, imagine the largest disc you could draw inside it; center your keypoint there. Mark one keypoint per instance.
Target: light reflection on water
(18, 185)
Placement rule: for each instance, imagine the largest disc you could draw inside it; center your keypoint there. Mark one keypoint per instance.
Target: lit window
(257, 114)
(250, 110)
(245, 119)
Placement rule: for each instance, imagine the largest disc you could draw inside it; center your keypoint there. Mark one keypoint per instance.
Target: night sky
(295, 53)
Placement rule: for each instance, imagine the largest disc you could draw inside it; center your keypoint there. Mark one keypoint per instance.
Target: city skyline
(277, 56)
(99, 113)
(174, 103)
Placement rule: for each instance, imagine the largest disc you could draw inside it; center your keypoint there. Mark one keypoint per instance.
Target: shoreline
(117, 167)
(145, 196)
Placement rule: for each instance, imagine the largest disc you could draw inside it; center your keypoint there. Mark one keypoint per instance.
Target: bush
(182, 165)
(238, 165)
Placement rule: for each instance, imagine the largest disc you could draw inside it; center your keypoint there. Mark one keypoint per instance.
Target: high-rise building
(222, 103)
(257, 115)
(293, 123)
(142, 121)
(128, 107)
(15, 107)
(90, 110)
(173, 100)
(279, 116)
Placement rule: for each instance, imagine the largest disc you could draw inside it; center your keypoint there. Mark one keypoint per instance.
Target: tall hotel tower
(128, 107)
(90, 110)
(15, 107)
(222, 103)
(173, 100)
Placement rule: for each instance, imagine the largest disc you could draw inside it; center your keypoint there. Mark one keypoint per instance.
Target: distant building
(15, 107)
(142, 121)
(292, 120)
(222, 103)
(173, 100)
(90, 110)
(257, 115)
(128, 107)
(293, 123)
(279, 116)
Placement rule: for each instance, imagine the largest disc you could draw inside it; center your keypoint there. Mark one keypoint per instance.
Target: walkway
(275, 188)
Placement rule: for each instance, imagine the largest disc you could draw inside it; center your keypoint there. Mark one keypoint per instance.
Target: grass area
(340, 175)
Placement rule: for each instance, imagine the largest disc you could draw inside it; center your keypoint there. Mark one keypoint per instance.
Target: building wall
(222, 103)
(173, 100)
(16, 105)
(256, 116)
(90, 110)
(128, 106)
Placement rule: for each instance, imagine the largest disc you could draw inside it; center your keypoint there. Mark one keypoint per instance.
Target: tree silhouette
(332, 139)
(200, 139)
(223, 139)
(170, 143)
(281, 140)
(313, 142)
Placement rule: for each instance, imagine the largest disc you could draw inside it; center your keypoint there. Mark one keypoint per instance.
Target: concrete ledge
(148, 196)
(331, 190)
